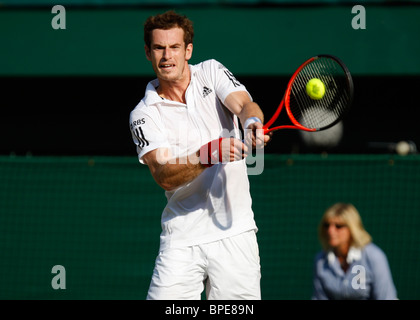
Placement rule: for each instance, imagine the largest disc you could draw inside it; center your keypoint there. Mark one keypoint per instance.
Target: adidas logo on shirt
(206, 91)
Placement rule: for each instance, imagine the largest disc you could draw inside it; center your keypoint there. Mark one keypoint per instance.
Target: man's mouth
(166, 65)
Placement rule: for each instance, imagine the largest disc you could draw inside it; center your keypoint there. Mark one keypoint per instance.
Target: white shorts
(228, 268)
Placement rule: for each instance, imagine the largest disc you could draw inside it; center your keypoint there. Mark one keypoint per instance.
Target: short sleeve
(223, 79)
(147, 130)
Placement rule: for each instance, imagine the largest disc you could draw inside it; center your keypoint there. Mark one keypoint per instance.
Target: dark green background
(72, 192)
(99, 217)
(249, 40)
(70, 91)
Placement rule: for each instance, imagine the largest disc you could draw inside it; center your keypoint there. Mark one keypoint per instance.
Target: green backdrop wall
(99, 218)
(249, 40)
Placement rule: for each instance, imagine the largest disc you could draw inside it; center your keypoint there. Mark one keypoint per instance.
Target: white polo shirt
(216, 204)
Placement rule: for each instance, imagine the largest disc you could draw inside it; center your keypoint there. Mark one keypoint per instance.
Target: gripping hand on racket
(254, 134)
(222, 150)
(251, 117)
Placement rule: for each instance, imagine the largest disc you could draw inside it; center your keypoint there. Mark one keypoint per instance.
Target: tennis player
(186, 130)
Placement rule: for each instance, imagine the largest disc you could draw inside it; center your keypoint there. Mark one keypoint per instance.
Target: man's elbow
(165, 183)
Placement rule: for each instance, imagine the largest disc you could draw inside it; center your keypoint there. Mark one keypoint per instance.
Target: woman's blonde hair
(351, 217)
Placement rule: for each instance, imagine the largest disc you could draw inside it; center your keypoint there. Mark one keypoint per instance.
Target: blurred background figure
(323, 141)
(350, 265)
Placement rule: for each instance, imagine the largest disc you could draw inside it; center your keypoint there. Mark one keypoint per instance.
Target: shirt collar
(354, 254)
(151, 95)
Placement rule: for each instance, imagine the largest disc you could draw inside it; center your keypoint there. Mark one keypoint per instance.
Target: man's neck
(174, 90)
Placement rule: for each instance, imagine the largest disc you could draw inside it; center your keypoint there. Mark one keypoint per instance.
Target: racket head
(315, 115)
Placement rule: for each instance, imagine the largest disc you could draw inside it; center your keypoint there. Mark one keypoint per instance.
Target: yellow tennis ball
(315, 89)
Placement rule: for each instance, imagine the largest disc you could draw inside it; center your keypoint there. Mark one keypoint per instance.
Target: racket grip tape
(210, 153)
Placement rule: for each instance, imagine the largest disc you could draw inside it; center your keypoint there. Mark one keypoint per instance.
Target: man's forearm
(250, 109)
(178, 172)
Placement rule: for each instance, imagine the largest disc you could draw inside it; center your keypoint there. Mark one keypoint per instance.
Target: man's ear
(188, 51)
(147, 51)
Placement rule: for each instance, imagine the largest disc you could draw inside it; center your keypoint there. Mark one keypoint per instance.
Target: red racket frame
(286, 100)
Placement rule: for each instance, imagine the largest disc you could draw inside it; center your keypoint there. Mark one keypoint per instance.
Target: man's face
(168, 54)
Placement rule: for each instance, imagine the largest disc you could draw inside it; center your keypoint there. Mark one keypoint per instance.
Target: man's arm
(171, 173)
(240, 104)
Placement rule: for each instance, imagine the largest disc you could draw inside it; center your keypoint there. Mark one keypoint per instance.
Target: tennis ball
(403, 148)
(315, 89)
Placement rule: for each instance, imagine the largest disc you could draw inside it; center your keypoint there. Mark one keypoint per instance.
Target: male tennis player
(186, 131)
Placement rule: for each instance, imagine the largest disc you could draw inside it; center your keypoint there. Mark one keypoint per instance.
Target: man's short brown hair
(168, 20)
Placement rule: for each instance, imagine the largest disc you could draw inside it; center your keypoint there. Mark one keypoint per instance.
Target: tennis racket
(323, 109)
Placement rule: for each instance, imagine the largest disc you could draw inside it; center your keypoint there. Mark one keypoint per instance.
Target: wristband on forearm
(250, 121)
(210, 153)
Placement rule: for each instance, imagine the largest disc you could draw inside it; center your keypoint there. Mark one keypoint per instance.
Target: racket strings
(313, 113)
(325, 112)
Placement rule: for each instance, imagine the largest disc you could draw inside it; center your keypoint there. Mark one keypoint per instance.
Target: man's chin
(167, 76)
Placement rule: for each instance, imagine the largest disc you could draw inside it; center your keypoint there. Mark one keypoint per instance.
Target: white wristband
(250, 121)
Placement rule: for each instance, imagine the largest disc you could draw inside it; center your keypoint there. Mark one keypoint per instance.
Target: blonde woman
(350, 266)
